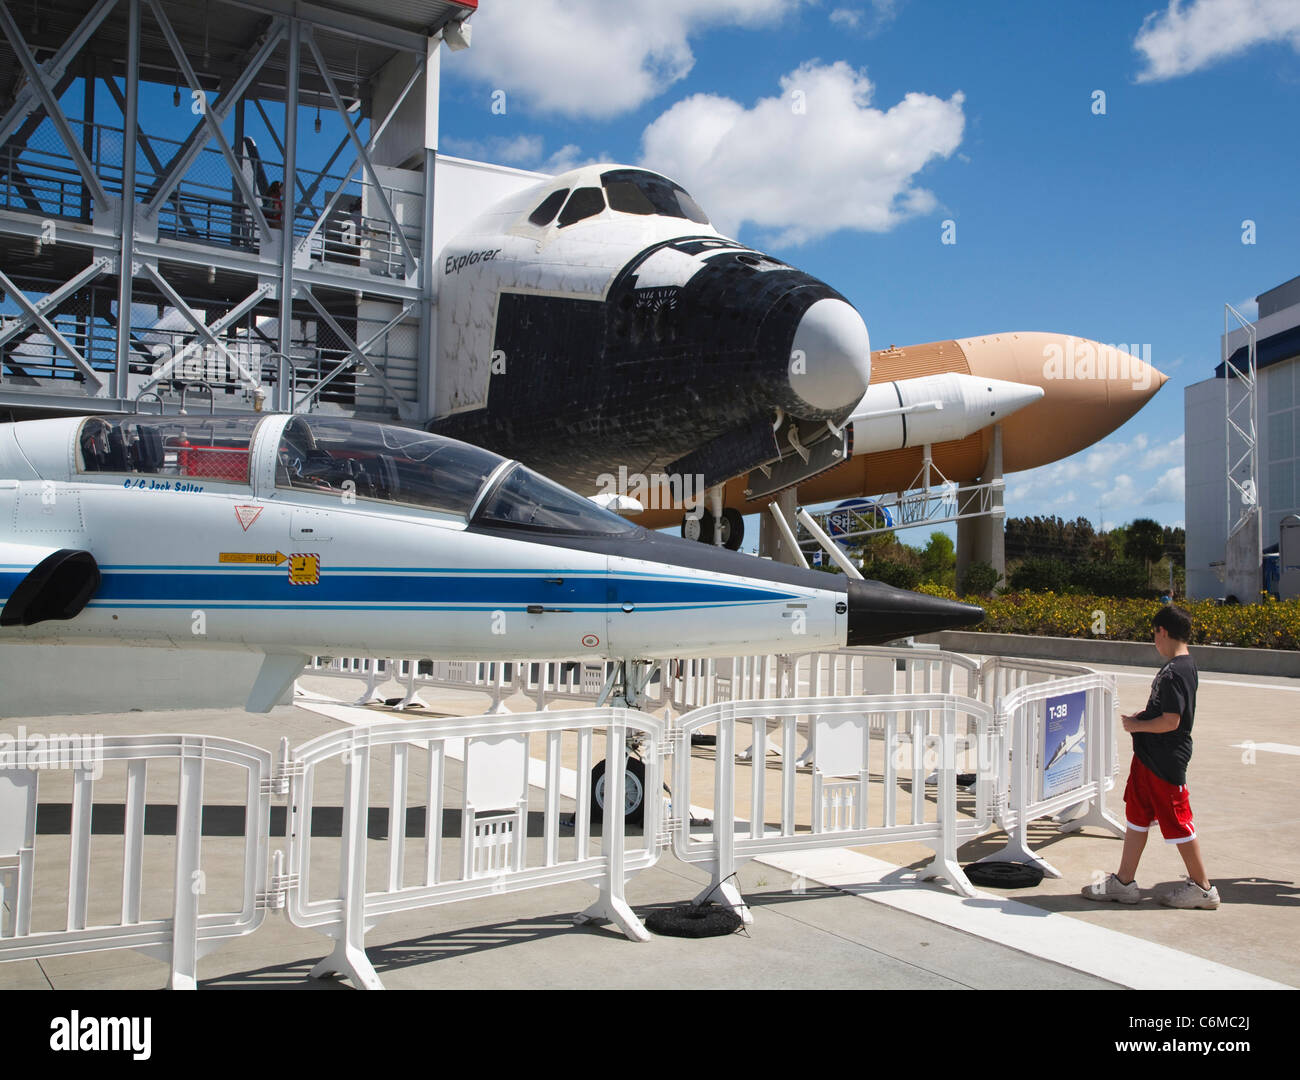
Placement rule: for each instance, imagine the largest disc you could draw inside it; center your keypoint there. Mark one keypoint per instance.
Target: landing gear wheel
(633, 792)
(698, 528)
(733, 529)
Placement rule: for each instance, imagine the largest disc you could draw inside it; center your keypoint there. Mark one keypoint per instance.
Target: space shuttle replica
(596, 321)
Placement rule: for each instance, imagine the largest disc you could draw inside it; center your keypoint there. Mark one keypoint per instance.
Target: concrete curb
(1282, 662)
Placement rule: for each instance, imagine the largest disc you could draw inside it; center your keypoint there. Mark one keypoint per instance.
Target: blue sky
(1122, 227)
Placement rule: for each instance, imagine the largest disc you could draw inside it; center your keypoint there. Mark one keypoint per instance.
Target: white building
(1205, 456)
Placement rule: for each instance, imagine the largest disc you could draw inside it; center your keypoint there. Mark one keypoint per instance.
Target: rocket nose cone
(1004, 398)
(830, 361)
(879, 613)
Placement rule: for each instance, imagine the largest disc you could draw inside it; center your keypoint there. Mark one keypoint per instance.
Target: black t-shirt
(1172, 690)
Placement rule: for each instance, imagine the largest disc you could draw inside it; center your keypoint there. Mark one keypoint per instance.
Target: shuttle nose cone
(880, 613)
(830, 361)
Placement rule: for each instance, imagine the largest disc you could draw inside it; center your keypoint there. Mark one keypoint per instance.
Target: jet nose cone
(830, 361)
(879, 613)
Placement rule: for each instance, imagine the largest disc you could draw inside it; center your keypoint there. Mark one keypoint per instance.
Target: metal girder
(364, 155)
(201, 328)
(126, 264)
(40, 86)
(147, 147)
(55, 66)
(340, 22)
(341, 368)
(324, 171)
(52, 301)
(352, 166)
(289, 208)
(403, 406)
(280, 147)
(213, 115)
(64, 346)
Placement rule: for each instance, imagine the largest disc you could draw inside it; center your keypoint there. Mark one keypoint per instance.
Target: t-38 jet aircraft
(300, 535)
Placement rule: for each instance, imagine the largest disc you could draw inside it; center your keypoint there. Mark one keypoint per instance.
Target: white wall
(1204, 460)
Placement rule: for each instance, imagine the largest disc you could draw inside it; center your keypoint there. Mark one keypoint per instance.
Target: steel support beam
(360, 27)
(61, 343)
(403, 406)
(54, 68)
(213, 116)
(341, 368)
(40, 86)
(426, 350)
(289, 207)
(52, 300)
(362, 153)
(126, 256)
(352, 166)
(209, 333)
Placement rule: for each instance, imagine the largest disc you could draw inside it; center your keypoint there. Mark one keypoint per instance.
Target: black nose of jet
(879, 613)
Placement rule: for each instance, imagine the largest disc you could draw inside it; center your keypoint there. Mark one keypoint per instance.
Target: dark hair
(1176, 621)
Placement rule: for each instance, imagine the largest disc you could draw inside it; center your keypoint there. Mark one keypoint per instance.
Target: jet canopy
(349, 459)
(627, 191)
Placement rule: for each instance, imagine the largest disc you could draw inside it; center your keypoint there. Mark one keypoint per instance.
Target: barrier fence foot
(350, 962)
(948, 870)
(727, 895)
(773, 747)
(616, 910)
(1017, 852)
(1095, 817)
(181, 980)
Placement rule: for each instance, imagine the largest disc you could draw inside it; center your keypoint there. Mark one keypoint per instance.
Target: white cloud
(1168, 489)
(882, 13)
(522, 150)
(842, 163)
(593, 58)
(1181, 39)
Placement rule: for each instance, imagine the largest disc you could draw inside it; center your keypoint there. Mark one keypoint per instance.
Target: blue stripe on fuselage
(272, 586)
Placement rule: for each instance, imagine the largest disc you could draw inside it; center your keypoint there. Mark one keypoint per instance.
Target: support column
(126, 222)
(290, 197)
(770, 541)
(427, 356)
(983, 539)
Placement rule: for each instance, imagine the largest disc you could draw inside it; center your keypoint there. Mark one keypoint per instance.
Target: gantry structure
(203, 269)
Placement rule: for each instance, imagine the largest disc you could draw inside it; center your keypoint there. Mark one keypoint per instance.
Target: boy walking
(1157, 781)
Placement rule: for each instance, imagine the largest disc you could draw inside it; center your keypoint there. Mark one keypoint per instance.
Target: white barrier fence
(868, 750)
(498, 772)
(186, 934)
(885, 770)
(1060, 751)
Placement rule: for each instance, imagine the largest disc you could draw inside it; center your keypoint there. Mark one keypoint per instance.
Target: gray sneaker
(1190, 895)
(1113, 889)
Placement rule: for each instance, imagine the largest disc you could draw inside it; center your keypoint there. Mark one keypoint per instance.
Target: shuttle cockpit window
(584, 203)
(523, 499)
(379, 461)
(635, 191)
(548, 207)
(209, 448)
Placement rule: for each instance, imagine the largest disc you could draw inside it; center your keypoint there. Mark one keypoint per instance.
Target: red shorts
(1148, 799)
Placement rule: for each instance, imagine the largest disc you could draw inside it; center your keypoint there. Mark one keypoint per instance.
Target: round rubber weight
(692, 921)
(1004, 875)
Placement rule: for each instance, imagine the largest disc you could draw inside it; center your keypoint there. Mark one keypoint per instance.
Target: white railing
(867, 748)
(492, 836)
(885, 769)
(186, 934)
(1041, 724)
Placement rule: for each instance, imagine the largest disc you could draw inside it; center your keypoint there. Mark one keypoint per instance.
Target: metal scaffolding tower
(1243, 557)
(154, 256)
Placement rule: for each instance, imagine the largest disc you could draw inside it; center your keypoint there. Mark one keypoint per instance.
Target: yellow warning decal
(304, 569)
(260, 558)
